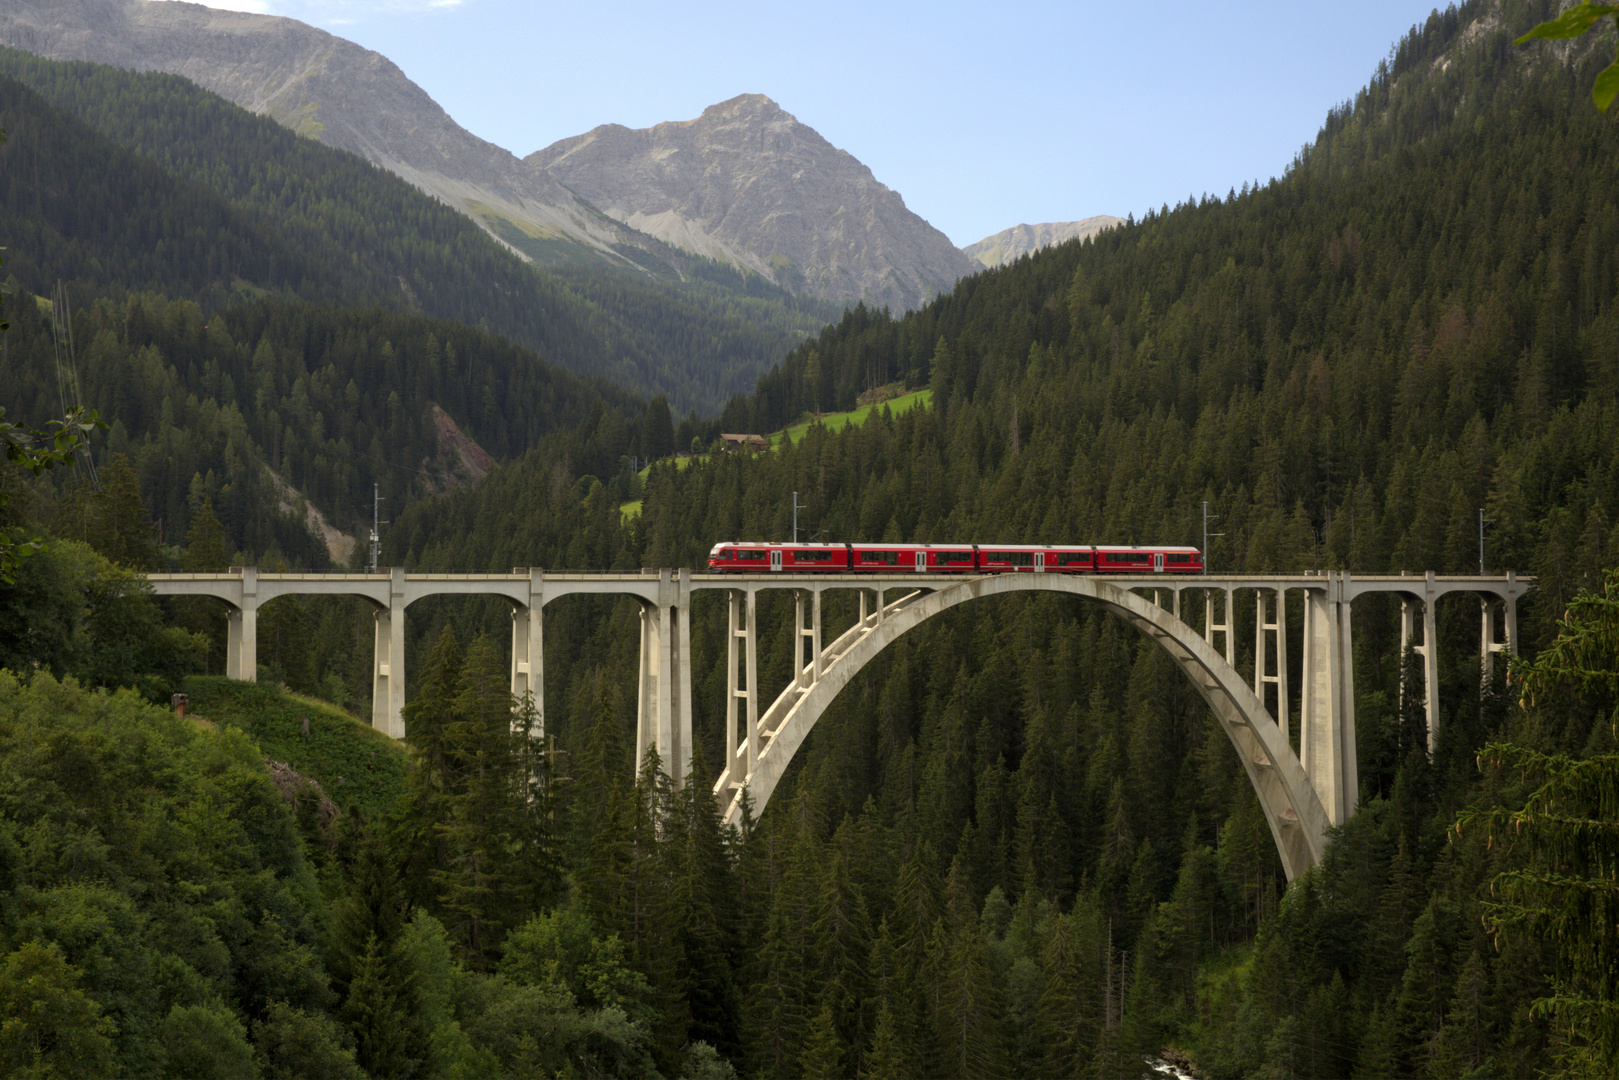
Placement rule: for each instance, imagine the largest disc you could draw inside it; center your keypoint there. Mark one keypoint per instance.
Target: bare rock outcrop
(746, 182)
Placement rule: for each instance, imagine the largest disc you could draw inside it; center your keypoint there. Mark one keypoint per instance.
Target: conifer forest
(1018, 844)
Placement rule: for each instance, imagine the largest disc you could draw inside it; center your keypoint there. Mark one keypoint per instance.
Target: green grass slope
(358, 766)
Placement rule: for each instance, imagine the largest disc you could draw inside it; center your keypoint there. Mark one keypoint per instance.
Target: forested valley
(1019, 845)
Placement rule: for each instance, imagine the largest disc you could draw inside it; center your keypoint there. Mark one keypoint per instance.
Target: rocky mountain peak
(746, 182)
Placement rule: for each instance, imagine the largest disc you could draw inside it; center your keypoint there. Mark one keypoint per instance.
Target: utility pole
(376, 523)
(1207, 534)
(795, 517)
(1482, 521)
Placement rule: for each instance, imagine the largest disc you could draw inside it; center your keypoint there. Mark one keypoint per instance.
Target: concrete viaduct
(1303, 794)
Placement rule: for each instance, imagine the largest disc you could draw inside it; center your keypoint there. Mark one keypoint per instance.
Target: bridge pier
(1327, 722)
(1210, 627)
(1410, 602)
(742, 676)
(528, 647)
(1270, 640)
(663, 718)
(242, 629)
(388, 661)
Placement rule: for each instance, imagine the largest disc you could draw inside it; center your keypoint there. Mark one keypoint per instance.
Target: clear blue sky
(981, 115)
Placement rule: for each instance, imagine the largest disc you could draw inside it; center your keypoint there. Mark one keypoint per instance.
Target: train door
(1039, 562)
(775, 560)
(921, 562)
(1158, 562)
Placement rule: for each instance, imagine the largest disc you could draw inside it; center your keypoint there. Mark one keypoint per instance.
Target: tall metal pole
(1481, 541)
(376, 535)
(795, 517)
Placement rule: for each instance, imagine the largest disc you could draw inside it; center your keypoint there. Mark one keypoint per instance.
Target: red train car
(1148, 560)
(916, 558)
(788, 558)
(1033, 559)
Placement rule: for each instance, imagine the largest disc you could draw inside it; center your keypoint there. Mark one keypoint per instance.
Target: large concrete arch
(1298, 821)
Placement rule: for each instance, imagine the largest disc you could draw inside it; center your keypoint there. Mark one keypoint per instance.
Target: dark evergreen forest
(1018, 845)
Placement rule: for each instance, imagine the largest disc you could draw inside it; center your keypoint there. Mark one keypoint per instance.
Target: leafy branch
(1572, 23)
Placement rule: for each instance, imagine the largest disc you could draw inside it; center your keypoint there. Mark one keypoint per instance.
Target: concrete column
(815, 639)
(802, 668)
(388, 664)
(396, 650)
(752, 669)
(1408, 633)
(381, 668)
(1284, 696)
(1278, 648)
(680, 672)
(242, 630)
(1430, 664)
(646, 720)
(1230, 628)
(1487, 647)
(528, 650)
(735, 604)
(1223, 626)
(1512, 613)
(1327, 726)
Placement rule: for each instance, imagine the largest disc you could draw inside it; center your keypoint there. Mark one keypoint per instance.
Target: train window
(1180, 558)
(1073, 558)
(1123, 557)
(889, 557)
(750, 555)
(812, 556)
(955, 556)
(1016, 558)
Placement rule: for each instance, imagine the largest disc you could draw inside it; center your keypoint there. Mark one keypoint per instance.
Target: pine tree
(485, 806)
(123, 532)
(882, 1059)
(205, 540)
(375, 978)
(432, 780)
(822, 1058)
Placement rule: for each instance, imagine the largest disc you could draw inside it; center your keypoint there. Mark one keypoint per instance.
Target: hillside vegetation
(1019, 845)
(1416, 322)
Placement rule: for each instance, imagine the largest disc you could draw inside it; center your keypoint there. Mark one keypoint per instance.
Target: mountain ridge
(1011, 244)
(339, 93)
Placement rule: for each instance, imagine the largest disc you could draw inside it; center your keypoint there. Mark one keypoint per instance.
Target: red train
(736, 556)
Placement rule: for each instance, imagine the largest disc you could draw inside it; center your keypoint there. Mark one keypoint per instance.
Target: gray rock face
(745, 183)
(1020, 240)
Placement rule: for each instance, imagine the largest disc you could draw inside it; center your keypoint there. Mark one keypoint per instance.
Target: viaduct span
(1303, 794)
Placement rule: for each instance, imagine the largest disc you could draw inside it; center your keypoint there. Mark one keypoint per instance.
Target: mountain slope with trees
(285, 214)
(1018, 845)
(1416, 322)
